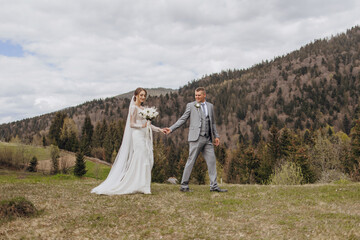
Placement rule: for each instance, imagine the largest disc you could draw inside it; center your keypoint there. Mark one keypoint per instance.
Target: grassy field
(41, 153)
(94, 169)
(69, 211)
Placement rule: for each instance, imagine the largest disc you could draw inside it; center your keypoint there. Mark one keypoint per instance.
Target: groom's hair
(200, 89)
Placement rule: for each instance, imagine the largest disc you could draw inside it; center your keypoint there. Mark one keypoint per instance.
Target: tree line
(321, 155)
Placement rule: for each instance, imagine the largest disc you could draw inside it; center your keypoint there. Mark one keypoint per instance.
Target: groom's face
(200, 96)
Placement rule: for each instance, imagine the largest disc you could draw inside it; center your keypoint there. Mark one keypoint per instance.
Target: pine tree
(118, 127)
(286, 146)
(199, 170)
(103, 132)
(352, 166)
(80, 167)
(44, 141)
(108, 145)
(55, 128)
(256, 135)
(220, 153)
(160, 163)
(302, 159)
(232, 169)
(86, 136)
(346, 125)
(271, 155)
(33, 165)
(69, 136)
(55, 155)
(273, 145)
(250, 165)
(308, 138)
(97, 136)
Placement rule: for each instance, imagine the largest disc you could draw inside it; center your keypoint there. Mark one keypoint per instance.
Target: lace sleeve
(154, 128)
(133, 111)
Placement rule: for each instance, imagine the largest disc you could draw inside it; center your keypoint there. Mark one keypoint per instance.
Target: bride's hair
(138, 91)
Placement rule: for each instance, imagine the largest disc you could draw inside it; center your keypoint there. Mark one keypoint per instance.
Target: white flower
(197, 105)
(149, 113)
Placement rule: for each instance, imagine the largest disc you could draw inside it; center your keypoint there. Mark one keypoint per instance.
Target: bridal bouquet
(149, 113)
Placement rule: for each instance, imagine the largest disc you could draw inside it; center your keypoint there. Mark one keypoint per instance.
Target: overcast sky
(55, 54)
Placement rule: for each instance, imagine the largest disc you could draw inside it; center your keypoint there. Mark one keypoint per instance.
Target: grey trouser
(205, 146)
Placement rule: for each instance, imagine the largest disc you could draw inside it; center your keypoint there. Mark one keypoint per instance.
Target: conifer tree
(86, 136)
(346, 125)
(271, 155)
(55, 128)
(308, 138)
(302, 159)
(80, 167)
(103, 132)
(220, 153)
(286, 145)
(273, 145)
(256, 135)
(352, 166)
(97, 136)
(55, 155)
(250, 166)
(200, 170)
(33, 165)
(44, 141)
(160, 163)
(232, 169)
(108, 145)
(69, 136)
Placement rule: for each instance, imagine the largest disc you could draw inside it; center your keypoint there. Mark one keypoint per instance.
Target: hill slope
(316, 85)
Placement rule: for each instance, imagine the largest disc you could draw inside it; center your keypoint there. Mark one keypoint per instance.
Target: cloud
(76, 51)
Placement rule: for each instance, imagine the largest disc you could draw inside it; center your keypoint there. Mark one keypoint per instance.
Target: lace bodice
(136, 121)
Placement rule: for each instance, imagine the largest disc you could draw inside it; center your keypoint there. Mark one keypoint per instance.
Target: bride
(131, 171)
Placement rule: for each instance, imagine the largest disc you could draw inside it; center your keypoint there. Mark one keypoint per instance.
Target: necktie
(203, 108)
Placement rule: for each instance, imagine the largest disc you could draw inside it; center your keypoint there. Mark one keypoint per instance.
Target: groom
(202, 130)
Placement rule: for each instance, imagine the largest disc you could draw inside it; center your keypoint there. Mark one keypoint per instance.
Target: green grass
(330, 211)
(41, 153)
(96, 170)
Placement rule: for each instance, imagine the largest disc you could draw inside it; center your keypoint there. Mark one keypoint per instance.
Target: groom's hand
(168, 130)
(217, 142)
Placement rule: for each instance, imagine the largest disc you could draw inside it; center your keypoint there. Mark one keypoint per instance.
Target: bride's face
(142, 96)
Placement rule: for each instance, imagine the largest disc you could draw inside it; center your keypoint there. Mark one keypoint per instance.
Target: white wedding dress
(131, 171)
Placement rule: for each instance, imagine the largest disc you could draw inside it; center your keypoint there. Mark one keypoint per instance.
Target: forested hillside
(311, 91)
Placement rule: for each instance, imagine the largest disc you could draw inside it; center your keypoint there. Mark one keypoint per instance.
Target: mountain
(150, 91)
(98, 109)
(311, 87)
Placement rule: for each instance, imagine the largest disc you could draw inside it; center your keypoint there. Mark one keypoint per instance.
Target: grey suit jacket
(194, 114)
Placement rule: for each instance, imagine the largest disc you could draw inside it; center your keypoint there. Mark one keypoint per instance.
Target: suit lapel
(209, 111)
(197, 109)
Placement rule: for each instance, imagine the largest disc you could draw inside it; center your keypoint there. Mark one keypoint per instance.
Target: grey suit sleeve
(214, 123)
(182, 119)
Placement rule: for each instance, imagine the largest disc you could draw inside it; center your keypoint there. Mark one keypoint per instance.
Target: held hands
(166, 130)
(217, 142)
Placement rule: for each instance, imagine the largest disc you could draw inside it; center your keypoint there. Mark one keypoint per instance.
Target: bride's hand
(145, 124)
